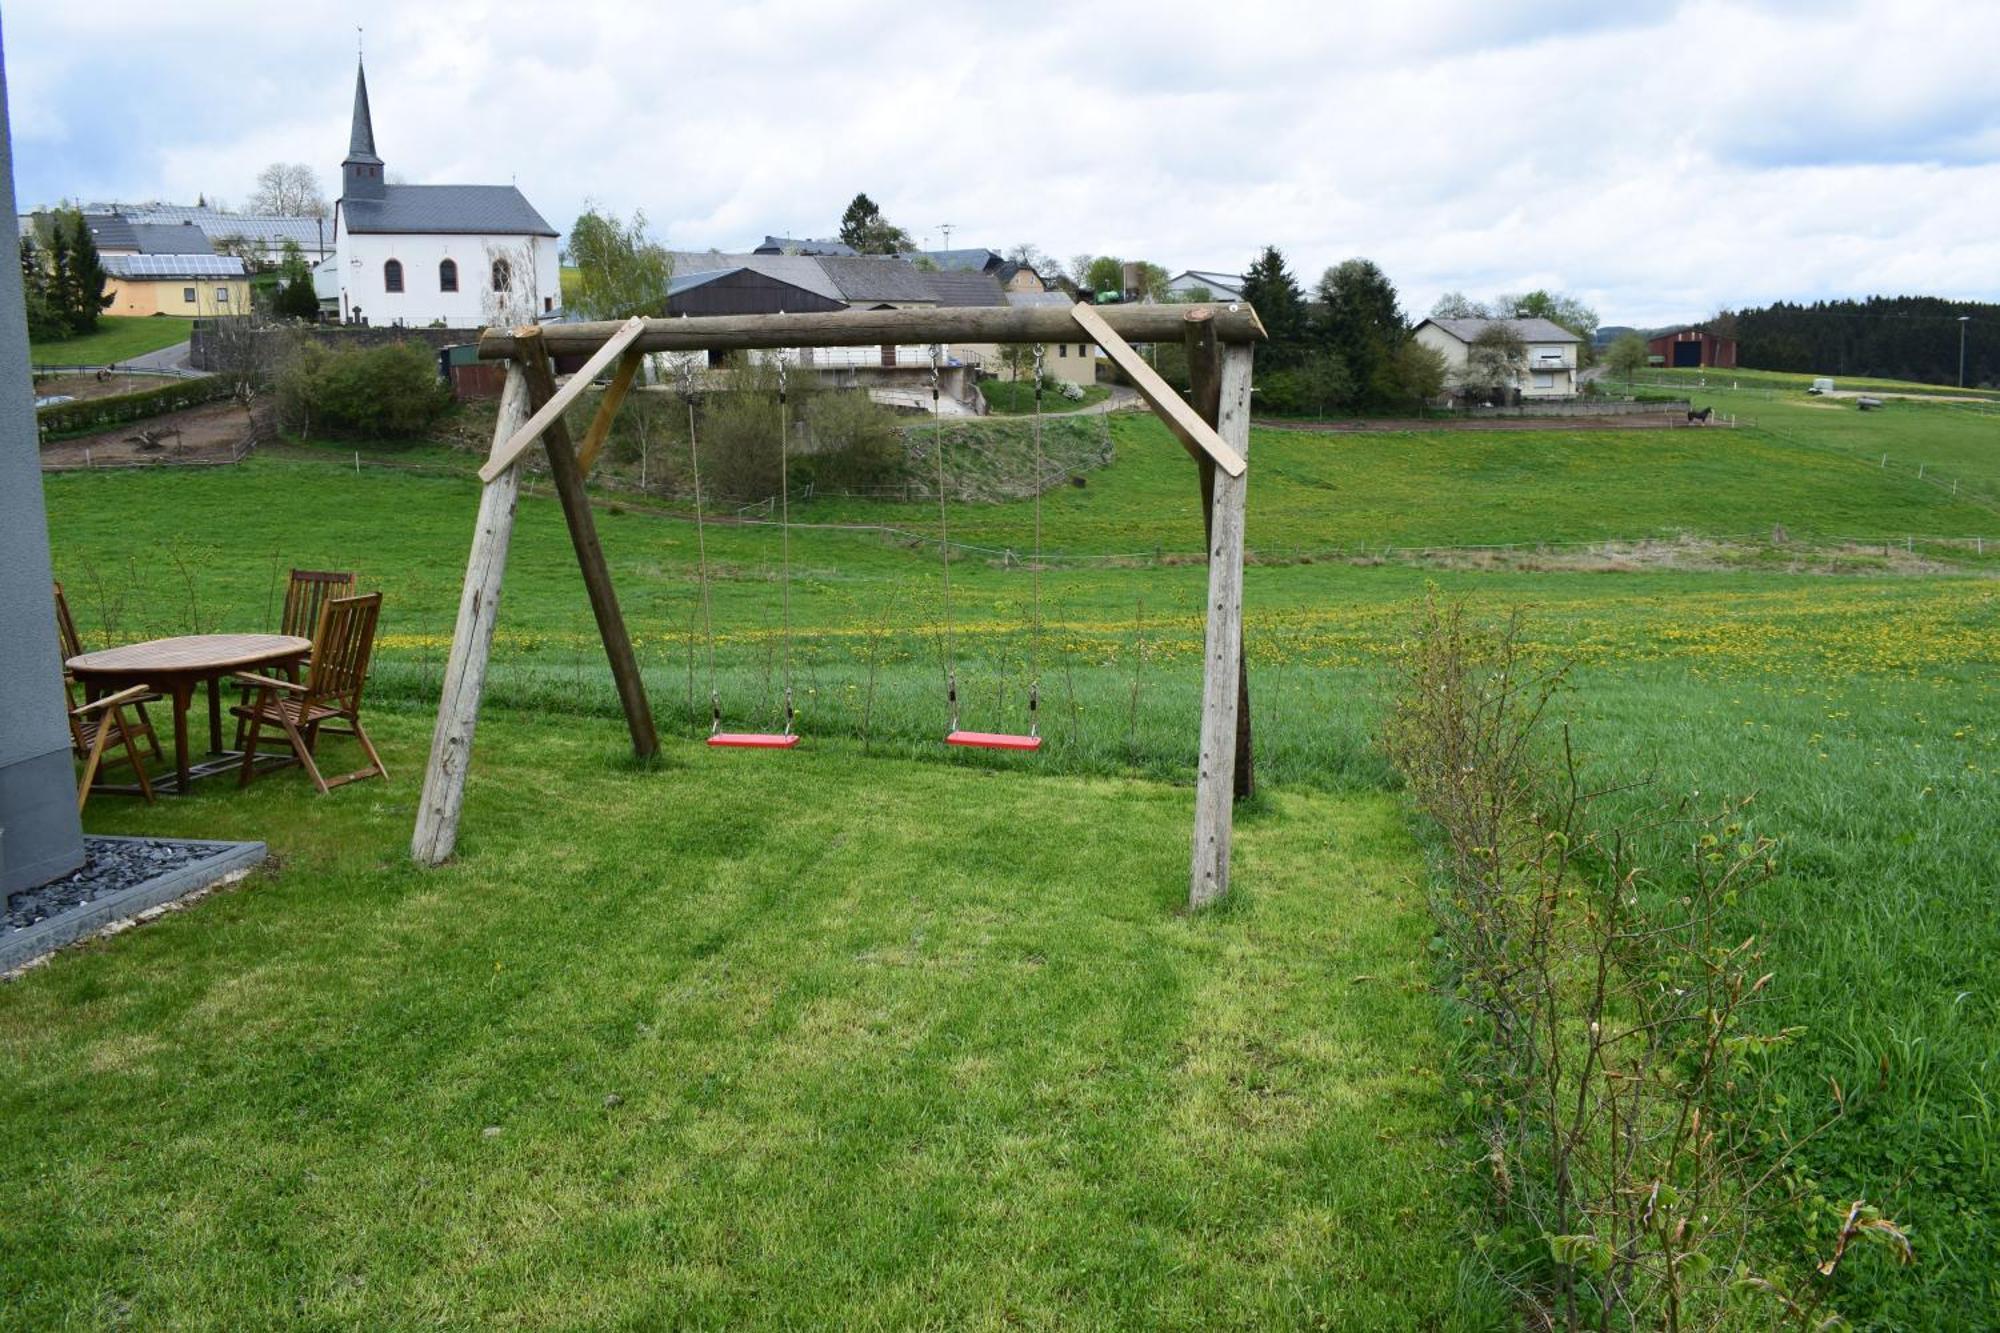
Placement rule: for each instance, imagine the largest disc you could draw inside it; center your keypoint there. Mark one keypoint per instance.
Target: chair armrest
(260, 682)
(124, 696)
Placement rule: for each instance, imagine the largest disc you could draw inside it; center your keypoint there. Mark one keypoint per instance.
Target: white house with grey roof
(461, 256)
(1548, 372)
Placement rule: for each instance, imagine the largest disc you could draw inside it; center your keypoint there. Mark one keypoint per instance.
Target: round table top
(190, 654)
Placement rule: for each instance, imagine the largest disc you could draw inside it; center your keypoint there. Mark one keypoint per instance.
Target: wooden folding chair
(305, 593)
(140, 726)
(96, 726)
(335, 674)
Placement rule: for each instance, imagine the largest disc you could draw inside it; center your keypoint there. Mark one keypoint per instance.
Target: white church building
(460, 256)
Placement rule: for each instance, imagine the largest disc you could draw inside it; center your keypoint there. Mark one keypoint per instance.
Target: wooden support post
(568, 477)
(1204, 357)
(607, 411)
(1221, 654)
(436, 833)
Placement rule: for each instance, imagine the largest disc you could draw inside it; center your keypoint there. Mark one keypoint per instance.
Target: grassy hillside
(118, 338)
(1792, 382)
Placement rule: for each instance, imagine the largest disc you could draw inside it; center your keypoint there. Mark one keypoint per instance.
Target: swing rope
(785, 539)
(685, 374)
(944, 534)
(1035, 630)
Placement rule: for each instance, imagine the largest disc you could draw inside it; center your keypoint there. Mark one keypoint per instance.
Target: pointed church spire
(361, 140)
(361, 173)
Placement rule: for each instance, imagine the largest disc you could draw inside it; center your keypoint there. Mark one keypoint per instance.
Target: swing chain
(951, 696)
(714, 713)
(1039, 350)
(790, 717)
(1035, 709)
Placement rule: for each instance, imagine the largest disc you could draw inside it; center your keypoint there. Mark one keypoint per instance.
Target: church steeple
(361, 173)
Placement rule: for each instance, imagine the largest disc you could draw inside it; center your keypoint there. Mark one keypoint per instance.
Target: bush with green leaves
(374, 393)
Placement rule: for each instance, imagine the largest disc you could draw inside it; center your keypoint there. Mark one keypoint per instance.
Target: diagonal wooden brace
(1181, 419)
(551, 411)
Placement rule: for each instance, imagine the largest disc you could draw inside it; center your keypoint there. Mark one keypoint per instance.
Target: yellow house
(176, 285)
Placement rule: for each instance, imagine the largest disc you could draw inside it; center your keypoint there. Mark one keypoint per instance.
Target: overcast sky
(1662, 162)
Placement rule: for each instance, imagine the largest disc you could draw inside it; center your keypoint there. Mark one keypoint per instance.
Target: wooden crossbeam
(1181, 419)
(607, 410)
(1235, 322)
(558, 403)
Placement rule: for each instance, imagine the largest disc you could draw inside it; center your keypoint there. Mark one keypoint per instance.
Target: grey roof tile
(455, 209)
(962, 288)
(1527, 330)
(875, 278)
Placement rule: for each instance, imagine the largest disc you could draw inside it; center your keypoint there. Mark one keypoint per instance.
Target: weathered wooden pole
(1204, 356)
(568, 477)
(1221, 675)
(436, 833)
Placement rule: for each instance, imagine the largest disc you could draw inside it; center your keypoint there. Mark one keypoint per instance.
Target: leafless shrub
(1609, 1059)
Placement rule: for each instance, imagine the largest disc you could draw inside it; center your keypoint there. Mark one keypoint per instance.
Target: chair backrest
(342, 642)
(307, 592)
(72, 642)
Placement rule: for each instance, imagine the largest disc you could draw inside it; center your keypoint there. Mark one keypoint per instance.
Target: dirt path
(213, 433)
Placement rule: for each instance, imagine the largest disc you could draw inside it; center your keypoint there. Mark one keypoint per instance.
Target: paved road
(167, 358)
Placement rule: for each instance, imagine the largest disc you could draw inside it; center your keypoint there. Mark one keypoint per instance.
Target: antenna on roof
(946, 227)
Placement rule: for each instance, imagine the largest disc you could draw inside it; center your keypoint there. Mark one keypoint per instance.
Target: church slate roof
(499, 210)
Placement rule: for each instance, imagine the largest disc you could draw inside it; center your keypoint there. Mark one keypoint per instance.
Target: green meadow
(875, 1033)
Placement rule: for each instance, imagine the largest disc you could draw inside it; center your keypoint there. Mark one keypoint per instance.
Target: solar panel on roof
(173, 266)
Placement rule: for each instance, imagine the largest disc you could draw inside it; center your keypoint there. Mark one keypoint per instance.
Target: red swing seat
(752, 740)
(993, 740)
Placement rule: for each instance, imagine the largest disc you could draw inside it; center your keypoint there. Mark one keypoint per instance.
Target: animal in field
(1700, 418)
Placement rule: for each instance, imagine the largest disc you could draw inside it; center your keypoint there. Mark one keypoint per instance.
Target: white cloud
(1661, 165)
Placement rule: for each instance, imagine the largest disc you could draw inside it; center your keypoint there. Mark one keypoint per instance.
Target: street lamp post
(1961, 349)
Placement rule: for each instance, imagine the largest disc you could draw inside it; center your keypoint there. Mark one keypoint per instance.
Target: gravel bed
(111, 865)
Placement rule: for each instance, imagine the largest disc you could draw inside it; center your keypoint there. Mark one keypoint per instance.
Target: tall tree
(1626, 355)
(288, 189)
(620, 272)
(43, 323)
(863, 227)
(1271, 289)
(296, 298)
(1104, 273)
(1556, 307)
(1362, 322)
(1495, 358)
(1457, 305)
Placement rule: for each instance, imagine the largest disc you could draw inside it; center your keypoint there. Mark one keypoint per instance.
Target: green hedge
(89, 415)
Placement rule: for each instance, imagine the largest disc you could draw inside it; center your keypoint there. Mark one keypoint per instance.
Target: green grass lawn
(1017, 397)
(1861, 711)
(118, 338)
(701, 1047)
(1794, 381)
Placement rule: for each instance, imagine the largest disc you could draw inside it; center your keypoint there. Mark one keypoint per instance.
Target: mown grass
(1879, 927)
(1015, 397)
(701, 1047)
(118, 338)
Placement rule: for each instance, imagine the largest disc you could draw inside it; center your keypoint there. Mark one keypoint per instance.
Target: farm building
(194, 284)
(1693, 347)
(1549, 370)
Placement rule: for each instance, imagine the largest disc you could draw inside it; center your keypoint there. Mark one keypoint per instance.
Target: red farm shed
(1693, 347)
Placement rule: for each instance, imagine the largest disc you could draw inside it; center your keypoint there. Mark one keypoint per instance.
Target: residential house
(1075, 362)
(794, 245)
(192, 284)
(1201, 284)
(1012, 277)
(1551, 364)
(459, 256)
(260, 240)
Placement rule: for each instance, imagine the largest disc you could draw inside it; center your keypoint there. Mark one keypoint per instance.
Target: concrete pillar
(40, 835)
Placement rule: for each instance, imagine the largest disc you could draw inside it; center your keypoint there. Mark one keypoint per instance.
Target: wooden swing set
(1214, 428)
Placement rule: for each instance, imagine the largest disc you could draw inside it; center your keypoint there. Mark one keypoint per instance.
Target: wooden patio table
(174, 667)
